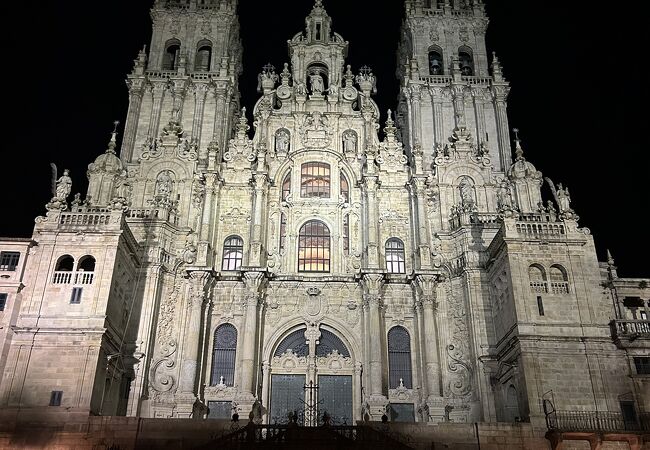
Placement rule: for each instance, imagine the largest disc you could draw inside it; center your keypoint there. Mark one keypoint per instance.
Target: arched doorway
(312, 373)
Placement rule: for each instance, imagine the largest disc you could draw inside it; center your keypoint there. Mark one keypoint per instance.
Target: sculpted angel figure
(64, 185)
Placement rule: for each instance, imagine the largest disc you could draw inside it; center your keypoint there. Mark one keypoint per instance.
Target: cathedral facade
(327, 257)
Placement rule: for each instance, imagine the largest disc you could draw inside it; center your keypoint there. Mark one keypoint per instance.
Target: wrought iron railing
(280, 435)
(630, 329)
(596, 421)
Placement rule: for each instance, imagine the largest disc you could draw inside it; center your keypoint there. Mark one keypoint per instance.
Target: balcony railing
(630, 329)
(80, 278)
(595, 421)
(62, 278)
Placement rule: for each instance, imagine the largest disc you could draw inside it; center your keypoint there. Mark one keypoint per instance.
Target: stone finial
(242, 126)
(390, 129)
(518, 150)
(497, 72)
(112, 144)
(610, 258)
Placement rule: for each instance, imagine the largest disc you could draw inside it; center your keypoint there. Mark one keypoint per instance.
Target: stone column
(261, 184)
(220, 112)
(158, 89)
(200, 92)
(418, 188)
(458, 93)
(426, 292)
(199, 285)
(136, 92)
(438, 120)
(178, 89)
(371, 185)
(254, 282)
(212, 191)
(499, 97)
(375, 398)
(478, 95)
(416, 97)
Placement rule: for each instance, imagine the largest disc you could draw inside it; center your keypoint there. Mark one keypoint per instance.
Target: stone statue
(164, 184)
(300, 88)
(466, 190)
(504, 196)
(64, 185)
(563, 199)
(350, 142)
(282, 139)
(317, 85)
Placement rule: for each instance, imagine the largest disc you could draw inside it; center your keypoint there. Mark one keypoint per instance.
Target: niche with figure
(317, 79)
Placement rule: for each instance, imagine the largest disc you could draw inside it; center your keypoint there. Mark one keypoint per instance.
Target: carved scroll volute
(200, 283)
(255, 283)
(373, 284)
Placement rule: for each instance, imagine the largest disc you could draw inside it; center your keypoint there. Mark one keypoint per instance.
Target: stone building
(338, 258)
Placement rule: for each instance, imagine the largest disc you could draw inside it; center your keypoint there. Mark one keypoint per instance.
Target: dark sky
(578, 95)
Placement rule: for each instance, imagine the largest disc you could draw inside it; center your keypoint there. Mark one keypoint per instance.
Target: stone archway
(312, 372)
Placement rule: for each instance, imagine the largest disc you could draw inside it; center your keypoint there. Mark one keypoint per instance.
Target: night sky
(578, 95)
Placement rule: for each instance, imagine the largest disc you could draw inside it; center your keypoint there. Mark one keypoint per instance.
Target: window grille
(399, 358)
(296, 342)
(329, 342)
(315, 180)
(314, 247)
(223, 356)
(233, 253)
(395, 257)
(9, 261)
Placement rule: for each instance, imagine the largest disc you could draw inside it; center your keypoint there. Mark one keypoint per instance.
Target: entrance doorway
(312, 377)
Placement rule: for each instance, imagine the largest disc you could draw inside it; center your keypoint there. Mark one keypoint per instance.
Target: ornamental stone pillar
(260, 183)
(499, 97)
(200, 283)
(418, 190)
(415, 95)
(200, 92)
(437, 97)
(212, 192)
(371, 185)
(158, 89)
(255, 284)
(375, 399)
(136, 93)
(426, 303)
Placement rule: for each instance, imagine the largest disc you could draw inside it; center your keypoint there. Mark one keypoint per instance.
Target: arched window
(86, 264)
(65, 264)
(171, 56)
(537, 277)
(466, 61)
(559, 280)
(329, 342)
(314, 247)
(286, 187)
(223, 355)
(233, 253)
(283, 231)
(435, 61)
(203, 56)
(395, 257)
(315, 180)
(345, 188)
(399, 358)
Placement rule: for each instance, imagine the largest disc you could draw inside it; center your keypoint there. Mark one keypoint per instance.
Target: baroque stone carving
(315, 131)
(458, 351)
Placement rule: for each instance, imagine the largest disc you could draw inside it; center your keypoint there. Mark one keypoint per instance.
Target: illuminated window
(315, 181)
(399, 358)
(223, 355)
(395, 258)
(283, 231)
(233, 253)
(314, 247)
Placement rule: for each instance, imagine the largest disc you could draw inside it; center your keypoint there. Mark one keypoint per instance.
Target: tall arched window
(223, 355)
(435, 61)
(345, 188)
(399, 358)
(203, 56)
(171, 56)
(314, 247)
(315, 180)
(559, 280)
(346, 234)
(466, 61)
(395, 257)
(286, 187)
(233, 253)
(537, 277)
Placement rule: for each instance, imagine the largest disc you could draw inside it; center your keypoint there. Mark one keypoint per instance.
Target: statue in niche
(164, 184)
(466, 190)
(504, 195)
(282, 139)
(300, 88)
(350, 142)
(64, 186)
(317, 84)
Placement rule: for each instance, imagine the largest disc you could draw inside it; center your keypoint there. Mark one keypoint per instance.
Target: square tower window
(75, 298)
(55, 398)
(3, 301)
(642, 365)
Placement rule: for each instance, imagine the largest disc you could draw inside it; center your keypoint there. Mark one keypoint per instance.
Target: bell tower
(189, 74)
(448, 82)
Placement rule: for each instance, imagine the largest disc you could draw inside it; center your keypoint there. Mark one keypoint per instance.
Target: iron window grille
(224, 355)
(399, 358)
